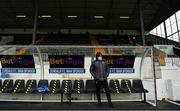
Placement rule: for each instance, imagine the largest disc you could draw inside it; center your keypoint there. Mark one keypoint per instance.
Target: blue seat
(43, 86)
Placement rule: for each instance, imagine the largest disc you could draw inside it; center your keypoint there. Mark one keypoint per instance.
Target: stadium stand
(81, 39)
(21, 39)
(62, 39)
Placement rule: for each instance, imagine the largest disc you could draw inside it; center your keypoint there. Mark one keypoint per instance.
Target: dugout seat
(114, 86)
(126, 86)
(19, 86)
(90, 86)
(7, 86)
(139, 88)
(31, 86)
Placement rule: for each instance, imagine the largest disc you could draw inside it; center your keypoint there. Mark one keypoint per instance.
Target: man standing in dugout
(100, 71)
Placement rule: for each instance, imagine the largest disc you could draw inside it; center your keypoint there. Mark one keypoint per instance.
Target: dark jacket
(98, 67)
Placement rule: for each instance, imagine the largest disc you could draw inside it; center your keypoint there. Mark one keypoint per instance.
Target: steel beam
(141, 22)
(36, 4)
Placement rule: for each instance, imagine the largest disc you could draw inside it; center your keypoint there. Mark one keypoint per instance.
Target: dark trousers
(104, 84)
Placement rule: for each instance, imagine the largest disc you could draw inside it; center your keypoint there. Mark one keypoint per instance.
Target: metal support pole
(141, 23)
(41, 62)
(35, 21)
(154, 76)
(142, 61)
(165, 30)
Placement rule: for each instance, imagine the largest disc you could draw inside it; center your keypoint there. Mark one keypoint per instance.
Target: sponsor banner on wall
(66, 63)
(17, 64)
(18, 70)
(121, 70)
(120, 63)
(66, 70)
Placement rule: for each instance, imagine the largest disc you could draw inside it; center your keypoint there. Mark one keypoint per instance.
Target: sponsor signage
(66, 63)
(17, 64)
(120, 63)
